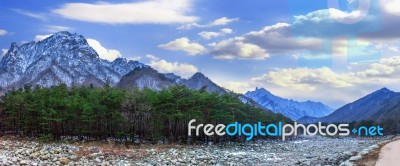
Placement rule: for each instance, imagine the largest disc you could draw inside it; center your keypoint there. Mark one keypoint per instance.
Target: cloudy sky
(334, 51)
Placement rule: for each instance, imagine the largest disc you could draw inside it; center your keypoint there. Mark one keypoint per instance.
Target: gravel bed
(300, 151)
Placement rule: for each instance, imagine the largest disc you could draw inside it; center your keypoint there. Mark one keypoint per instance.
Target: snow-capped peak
(60, 58)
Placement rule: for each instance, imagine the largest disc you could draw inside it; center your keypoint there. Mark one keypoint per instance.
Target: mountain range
(67, 58)
(289, 108)
(380, 105)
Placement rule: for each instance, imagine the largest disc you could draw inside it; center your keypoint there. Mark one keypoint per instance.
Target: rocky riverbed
(300, 151)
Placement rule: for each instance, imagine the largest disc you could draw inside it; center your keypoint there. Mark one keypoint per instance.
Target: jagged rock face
(198, 80)
(289, 108)
(145, 77)
(123, 66)
(150, 78)
(173, 77)
(61, 58)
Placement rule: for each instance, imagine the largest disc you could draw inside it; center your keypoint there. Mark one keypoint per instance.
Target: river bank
(300, 151)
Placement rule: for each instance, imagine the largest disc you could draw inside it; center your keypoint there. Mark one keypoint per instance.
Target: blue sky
(296, 49)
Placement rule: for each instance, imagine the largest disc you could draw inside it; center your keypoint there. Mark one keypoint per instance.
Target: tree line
(136, 115)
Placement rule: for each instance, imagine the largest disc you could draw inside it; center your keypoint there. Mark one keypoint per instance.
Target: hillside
(379, 106)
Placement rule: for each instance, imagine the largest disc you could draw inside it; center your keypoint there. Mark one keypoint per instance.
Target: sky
(333, 51)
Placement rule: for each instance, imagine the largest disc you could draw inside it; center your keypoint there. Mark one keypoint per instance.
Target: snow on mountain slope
(61, 58)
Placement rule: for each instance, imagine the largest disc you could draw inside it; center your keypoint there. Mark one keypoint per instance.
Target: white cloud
(394, 49)
(3, 32)
(41, 37)
(57, 28)
(238, 87)
(386, 71)
(152, 57)
(226, 30)
(278, 38)
(104, 53)
(236, 48)
(307, 78)
(347, 18)
(39, 16)
(390, 6)
(4, 51)
(209, 35)
(184, 44)
(223, 21)
(271, 39)
(218, 22)
(134, 58)
(143, 12)
(163, 66)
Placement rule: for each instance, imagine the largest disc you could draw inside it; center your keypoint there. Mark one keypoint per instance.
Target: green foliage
(128, 115)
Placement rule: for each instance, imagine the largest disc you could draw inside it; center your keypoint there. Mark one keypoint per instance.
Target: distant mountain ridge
(378, 106)
(148, 77)
(289, 108)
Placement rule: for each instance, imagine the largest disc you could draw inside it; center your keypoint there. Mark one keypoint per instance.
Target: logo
(279, 130)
